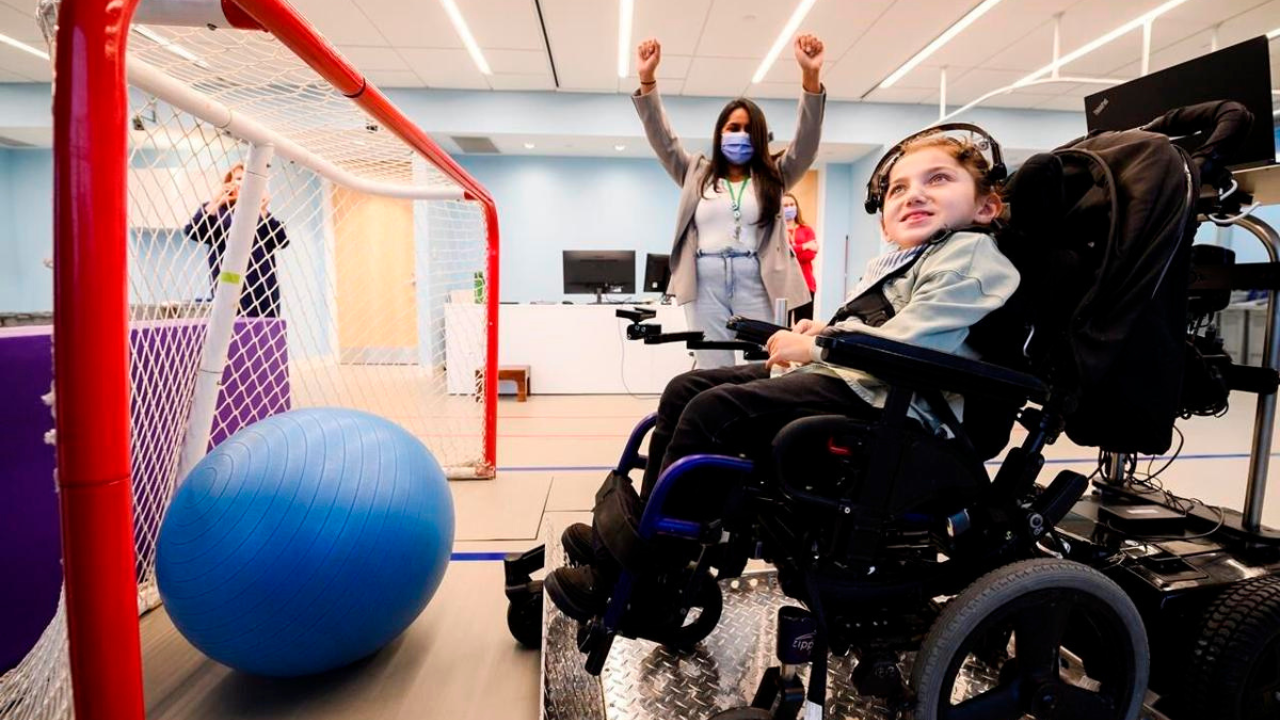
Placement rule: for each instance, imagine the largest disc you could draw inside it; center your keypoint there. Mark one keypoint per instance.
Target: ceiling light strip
(939, 41)
(460, 25)
(5, 39)
(626, 10)
(784, 37)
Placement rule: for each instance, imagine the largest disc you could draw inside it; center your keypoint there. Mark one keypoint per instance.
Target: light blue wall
(546, 205)
(26, 230)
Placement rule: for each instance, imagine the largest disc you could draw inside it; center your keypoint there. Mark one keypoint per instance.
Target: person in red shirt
(805, 244)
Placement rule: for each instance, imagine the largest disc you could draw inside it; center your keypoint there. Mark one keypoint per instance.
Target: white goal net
(356, 251)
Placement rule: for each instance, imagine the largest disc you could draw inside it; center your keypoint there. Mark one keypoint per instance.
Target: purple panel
(30, 551)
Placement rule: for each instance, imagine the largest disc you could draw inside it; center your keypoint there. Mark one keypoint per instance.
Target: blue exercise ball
(305, 541)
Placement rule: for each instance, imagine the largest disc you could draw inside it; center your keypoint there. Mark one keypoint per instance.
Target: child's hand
(808, 327)
(789, 348)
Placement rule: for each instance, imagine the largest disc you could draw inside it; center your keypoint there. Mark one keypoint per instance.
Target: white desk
(570, 349)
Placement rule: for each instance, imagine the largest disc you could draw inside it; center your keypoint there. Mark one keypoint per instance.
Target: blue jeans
(728, 284)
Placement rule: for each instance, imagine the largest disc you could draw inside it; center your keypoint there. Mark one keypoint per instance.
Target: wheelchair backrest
(1101, 231)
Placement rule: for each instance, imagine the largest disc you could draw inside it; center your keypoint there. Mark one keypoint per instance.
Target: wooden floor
(457, 662)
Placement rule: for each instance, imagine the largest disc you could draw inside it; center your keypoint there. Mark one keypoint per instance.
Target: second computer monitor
(599, 272)
(657, 273)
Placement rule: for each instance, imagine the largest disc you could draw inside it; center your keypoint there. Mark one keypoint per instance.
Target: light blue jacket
(951, 286)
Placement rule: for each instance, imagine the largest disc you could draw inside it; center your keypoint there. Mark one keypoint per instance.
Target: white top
(717, 229)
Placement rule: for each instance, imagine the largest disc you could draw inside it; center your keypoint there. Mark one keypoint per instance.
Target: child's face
(928, 190)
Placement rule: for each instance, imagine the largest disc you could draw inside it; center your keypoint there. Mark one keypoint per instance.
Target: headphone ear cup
(998, 173)
(871, 204)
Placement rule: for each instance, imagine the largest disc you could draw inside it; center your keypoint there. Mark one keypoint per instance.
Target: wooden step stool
(519, 374)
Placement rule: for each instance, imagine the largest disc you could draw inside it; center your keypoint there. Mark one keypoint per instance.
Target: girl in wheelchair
(942, 272)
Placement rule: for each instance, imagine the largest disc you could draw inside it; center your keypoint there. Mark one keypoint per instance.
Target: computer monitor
(657, 273)
(1241, 73)
(599, 272)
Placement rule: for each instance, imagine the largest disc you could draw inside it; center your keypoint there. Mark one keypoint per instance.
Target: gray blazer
(778, 265)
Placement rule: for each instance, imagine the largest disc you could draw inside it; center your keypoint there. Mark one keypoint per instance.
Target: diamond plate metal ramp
(645, 681)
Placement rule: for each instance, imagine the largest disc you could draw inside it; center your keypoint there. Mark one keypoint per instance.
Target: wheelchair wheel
(524, 620)
(699, 623)
(1077, 648)
(1235, 668)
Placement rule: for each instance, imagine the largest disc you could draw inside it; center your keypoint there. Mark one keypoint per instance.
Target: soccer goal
(243, 225)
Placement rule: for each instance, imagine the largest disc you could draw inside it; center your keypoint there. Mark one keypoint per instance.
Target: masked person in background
(805, 244)
(731, 254)
(211, 224)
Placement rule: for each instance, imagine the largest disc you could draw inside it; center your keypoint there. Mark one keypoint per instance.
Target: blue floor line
(1048, 461)
(476, 556)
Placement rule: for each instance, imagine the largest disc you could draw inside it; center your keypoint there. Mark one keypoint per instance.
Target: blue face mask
(737, 147)
(789, 212)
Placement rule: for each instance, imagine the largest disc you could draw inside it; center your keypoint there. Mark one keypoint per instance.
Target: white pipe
(164, 86)
(942, 94)
(1057, 42)
(1146, 47)
(181, 13)
(1020, 85)
(226, 305)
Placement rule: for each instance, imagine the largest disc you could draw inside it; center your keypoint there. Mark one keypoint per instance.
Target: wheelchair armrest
(690, 336)
(918, 368)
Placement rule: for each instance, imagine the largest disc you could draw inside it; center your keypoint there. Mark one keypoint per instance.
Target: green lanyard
(736, 200)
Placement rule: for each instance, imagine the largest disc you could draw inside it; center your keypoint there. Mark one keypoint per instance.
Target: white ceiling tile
(12, 77)
(1019, 99)
(395, 78)
(895, 94)
(978, 82)
(841, 25)
(719, 77)
(367, 58)
(341, 21)
(1001, 27)
(21, 25)
(783, 90)
(1103, 61)
(1028, 53)
(672, 86)
(421, 24)
(1208, 13)
(895, 36)
(522, 82)
(445, 68)
(584, 43)
(676, 24)
(507, 24)
(930, 76)
(743, 28)
(520, 62)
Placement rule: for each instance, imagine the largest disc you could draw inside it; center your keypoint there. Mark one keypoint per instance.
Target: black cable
(1151, 481)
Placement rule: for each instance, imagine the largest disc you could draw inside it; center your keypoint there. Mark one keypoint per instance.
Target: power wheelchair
(897, 541)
